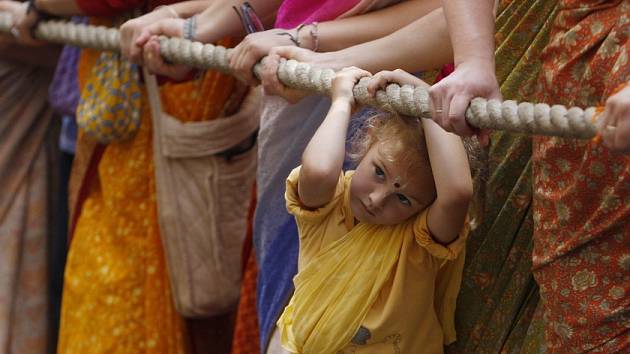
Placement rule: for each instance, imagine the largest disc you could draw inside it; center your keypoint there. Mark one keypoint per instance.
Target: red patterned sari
(581, 256)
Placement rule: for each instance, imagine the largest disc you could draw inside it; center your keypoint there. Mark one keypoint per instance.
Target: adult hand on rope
(14, 8)
(614, 123)
(270, 64)
(153, 61)
(451, 96)
(135, 33)
(25, 20)
(253, 48)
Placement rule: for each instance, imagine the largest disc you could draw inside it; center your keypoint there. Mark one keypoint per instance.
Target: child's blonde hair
(406, 145)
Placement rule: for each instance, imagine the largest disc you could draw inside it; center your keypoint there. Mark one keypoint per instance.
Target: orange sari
(117, 296)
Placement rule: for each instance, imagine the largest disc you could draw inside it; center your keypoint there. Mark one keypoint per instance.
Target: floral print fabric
(581, 255)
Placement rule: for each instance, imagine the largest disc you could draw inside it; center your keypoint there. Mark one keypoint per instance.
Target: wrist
(334, 60)
(485, 64)
(342, 103)
(189, 28)
(308, 36)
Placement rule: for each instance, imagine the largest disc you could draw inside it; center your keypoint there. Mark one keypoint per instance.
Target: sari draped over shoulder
(284, 132)
(25, 176)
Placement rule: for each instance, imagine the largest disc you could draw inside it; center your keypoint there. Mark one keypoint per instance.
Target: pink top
(294, 12)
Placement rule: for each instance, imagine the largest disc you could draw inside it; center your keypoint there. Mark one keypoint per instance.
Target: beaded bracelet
(190, 27)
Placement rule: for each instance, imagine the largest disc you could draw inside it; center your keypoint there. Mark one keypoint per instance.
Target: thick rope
(524, 117)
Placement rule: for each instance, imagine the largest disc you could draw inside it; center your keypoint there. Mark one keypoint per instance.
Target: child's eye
(404, 200)
(379, 172)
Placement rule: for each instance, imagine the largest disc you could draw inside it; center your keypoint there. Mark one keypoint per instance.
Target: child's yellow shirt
(413, 309)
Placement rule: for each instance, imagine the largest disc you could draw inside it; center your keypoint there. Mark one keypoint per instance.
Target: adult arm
(219, 19)
(66, 7)
(471, 28)
(427, 47)
(420, 45)
(346, 32)
(332, 35)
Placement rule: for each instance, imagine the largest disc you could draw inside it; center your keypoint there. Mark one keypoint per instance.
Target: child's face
(385, 193)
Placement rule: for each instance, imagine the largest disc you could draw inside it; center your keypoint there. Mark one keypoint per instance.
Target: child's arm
(322, 160)
(449, 164)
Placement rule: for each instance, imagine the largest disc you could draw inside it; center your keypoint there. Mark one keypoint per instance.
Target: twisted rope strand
(524, 117)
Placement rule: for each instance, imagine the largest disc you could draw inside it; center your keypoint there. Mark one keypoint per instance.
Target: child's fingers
(402, 77)
(379, 81)
(353, 74)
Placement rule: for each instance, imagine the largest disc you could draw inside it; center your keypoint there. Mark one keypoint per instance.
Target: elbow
(458, 195)
(319, 174)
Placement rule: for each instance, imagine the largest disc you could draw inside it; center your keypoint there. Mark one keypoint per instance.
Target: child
(381, 248)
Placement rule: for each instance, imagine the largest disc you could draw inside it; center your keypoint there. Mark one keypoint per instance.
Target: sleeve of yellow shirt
(444, 252)
(303, 216)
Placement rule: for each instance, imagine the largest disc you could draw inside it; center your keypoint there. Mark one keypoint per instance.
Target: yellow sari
(117, 296)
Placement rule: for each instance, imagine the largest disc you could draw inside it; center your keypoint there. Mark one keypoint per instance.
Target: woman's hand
(153, 61)
(451, 96)
(381, 79)
(13, 8)
(135, 33)
(269, 74)
(344, 82)
(253, 48)
(614, 124)
(24, 21)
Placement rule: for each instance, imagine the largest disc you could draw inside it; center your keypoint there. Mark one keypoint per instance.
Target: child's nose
(376, 198)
